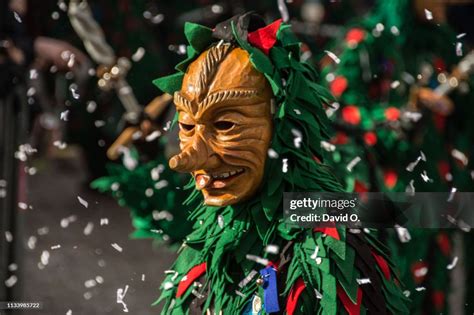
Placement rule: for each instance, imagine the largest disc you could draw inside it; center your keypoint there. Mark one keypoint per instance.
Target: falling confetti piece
(272, 249)
(90, 283)
(56, 247)
(425, 177)
(64, 115)
(298, 137)
(451, 194)
(167, 285)
(453, 263)
(99, 123)
(460, 35)
(44, 257)
(88, 229)
(257, 259)
(120, 296)
(410, 189)
(247, 279)
(333, 56)
(32, 242)
(13, 267)
(318, 294)
(403, 234)
(69, 312)
(285, 166)
(99, 279)
(220, 221)
(428, 14)
(83, 202)
(10, 282)
(328, 146)
(138, 55)
(152, 136)
(395, 84)
(60, 145)
(315, 257)
(8, 236)
(460, 156)
(420, 272)
(143, 277)
(420, 289)
(353, 163)
(363, 281)
(91, 107)
(272, 154)
(117, 247)
(17, 17)
(22, 205)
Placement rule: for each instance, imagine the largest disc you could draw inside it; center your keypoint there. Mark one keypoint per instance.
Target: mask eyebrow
(226, 95)
(181, 101)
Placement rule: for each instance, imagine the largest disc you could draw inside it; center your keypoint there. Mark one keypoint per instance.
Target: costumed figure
(251, 119)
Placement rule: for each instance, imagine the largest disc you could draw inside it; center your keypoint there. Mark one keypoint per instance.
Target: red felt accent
(355, 36)
(444, 244)
(438, 298)
(338, 86)
(392, 113)
(330, 231)
(370, 138)
(265, 38)
(295, 293)
(340, 138)
(443, 169)
(351, 114)
(273, 264)
(390, 178)
(439, 121)
(351, 308)
(383, 265)
(192, 276)
(439, 64)
(360, 187)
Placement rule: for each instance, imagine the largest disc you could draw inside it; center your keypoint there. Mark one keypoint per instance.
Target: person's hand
(437, 103)
(64, 56)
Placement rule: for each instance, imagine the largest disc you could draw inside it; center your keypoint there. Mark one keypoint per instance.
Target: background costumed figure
(395, 134)
(243, 90)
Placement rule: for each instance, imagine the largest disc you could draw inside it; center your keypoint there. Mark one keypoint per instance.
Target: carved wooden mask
(225, 122)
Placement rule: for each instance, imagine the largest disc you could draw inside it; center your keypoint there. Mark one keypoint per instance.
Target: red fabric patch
(355, 36)
(265, 37)
(295, 293)
(390, 178)
(360, 187)
(444, 243)
(417, 271)
(438, 300)
(383, 265)
(340, 138)
(338, 86)
(351, 115)
(192, 276)
(443, 169)
(370, 138)
(392, 113)
(330, 231)
(351, 308)
(439, 64)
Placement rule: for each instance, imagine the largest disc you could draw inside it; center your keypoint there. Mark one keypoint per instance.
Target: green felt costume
(214, 261)
(381, 57)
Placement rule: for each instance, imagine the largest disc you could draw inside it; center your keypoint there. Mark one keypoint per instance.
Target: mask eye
(223, 125)
(186, 127)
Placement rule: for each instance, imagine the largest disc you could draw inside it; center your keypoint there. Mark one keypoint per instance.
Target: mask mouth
(217, 180)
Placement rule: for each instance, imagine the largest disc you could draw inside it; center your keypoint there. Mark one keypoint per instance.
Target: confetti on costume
(213, 260)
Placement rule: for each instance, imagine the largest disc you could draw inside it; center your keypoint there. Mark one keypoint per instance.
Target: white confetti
(333, 56)
(363, 281)
(459, 36)
(167, 126)
(168, 285)
(17, 17)
(10, 282)
(420, 289)
(328, 146)
(45, 257)
(83, 202)
(285, 166)
(257, 259)
(33, 74)
(69, 312)
(451, 194)
(99, 279)
(60, 145)
(8, 236)
(64, 115)
(55, 15)
(99, 123)
(90, 283)
(13, 267)
(32, 242)
(425, 177)
(410, 189)
(138, 55)
(56, 247)
(298, 137)
(272, 154)
(395, 84)
(412, 116)
(413, 164)
(403, 234)
(459, 49)
(272, 249)
(460, 156)
(353, 163)
(104, 221)
(117, 247)
(315, 257)
(91, 107)
(22, 205)
(428, 14)
(88, 229)
(453, 263)
(220, 221)
(143, 277)
(319, 296)
(152, 136)
(420, 272)
(120, 296)
(247, 279)
(128, 160)
(406, 293)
